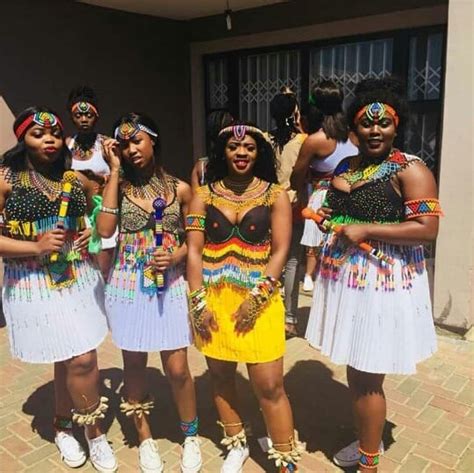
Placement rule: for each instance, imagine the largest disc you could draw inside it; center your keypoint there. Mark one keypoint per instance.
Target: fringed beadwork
(233, 441)
(286, 459)
(369, 460)
(90, 418)
(190, 429)
(422, 208)
(138, 409)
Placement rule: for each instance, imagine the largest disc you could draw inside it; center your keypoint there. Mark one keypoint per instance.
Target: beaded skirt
(139, 318)
(45, 324)
(370, 316)
(265, 342)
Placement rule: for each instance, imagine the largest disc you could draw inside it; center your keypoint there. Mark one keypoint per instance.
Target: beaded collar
(354, 170)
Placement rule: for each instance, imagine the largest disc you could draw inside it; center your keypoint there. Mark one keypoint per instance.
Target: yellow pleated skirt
(265, 342)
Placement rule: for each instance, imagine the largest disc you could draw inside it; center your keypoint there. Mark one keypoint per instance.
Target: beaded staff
(374, 252)
(68, 178)
(159, 205)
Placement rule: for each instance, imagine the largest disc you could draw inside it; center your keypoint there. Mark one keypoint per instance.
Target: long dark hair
(15, 158)
(389, 90)
(128, 170)
(282, 109)
(325, 110)
(217, 120)
(264, 167)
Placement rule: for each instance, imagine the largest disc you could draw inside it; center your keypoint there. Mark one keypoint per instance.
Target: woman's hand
(243, 323)
(112, 154)
(207, 325)
(355, 233)
(51, 242)
(326, 213)
(162, 260)
(81, 243)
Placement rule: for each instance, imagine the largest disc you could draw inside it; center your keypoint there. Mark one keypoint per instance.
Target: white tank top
(96, 163)
(328, 164)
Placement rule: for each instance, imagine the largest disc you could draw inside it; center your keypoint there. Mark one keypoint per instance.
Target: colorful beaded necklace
(50, 187)
(148, 190)
(356, 170)
(238, 197)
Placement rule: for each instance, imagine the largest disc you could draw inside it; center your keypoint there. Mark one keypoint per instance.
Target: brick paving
(430, 425)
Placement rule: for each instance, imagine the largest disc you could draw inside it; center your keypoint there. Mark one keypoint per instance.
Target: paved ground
(430, 426)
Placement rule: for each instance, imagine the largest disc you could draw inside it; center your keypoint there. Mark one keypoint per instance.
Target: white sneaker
(149, 458)
(101, 454)
(308, 284)
(70, 449)
(235, 459)
(349, 456)
(191, 460)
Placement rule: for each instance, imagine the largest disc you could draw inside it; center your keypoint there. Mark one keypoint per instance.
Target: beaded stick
(377, 254)
(159, 205)
(68, 178)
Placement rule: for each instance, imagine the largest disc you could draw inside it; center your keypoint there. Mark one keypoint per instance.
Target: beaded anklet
(286, 460)
(190, 429)
(233, 441)
(62, 423)
(96, 411)
(369, 460)
(137, 408)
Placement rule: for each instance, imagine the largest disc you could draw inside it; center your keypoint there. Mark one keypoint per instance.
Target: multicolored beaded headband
(239, 131)
(376, 111)
(84, 107)
(126, 131)
(44, 119)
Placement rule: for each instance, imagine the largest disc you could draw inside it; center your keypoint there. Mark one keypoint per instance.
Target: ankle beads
(286, 461)
(137, 408)
(369, 460)
(234, 441)
(91, 414)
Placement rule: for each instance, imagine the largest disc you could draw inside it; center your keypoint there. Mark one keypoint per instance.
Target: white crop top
(96, 163)
(328, 164)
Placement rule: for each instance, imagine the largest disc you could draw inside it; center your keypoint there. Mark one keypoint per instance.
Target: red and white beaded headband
(127, 130)
(375, 111)
(239, 131)
(84, 107)
(43, 119)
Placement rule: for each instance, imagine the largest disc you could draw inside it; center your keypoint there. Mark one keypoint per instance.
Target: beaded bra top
(28, 204)
(134, 218)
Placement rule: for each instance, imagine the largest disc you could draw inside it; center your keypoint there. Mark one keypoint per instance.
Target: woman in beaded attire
(373, 313)
(145, 315)
(236, 251)
(52, 293)
(327, 145)
(87, 149)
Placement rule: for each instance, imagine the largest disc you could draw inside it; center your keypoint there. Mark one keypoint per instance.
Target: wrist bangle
(109, 210)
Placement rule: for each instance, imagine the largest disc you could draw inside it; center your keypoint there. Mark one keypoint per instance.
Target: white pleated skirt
(145, 322)
(370, 328)
(50, 325)
(312, 235)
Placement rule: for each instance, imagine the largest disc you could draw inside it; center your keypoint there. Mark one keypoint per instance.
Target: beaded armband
(422, 207)
(195, 222)
(197, 304)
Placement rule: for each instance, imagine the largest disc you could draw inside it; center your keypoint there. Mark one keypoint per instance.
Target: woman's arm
(107, 222)
(416, 182)
(281, 223)
(316, 146)
(195, 244)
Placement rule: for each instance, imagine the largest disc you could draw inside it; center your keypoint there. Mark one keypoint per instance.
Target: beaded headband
(375, 111)
(84, 107)
(44, 119)
(239, 131)
(126, 131)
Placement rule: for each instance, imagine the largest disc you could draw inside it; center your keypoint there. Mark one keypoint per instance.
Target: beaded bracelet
(197, 304)
(109, 210)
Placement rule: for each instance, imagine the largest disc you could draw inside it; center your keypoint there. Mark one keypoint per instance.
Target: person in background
(326, 146)
(216, 120)
(286, 140)
(87, 149)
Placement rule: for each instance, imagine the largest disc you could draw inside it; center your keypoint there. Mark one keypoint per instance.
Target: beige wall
(7, 138)
(453, 301)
